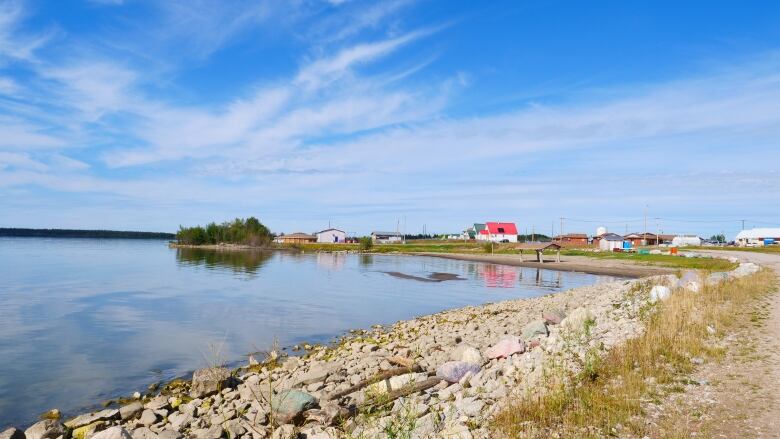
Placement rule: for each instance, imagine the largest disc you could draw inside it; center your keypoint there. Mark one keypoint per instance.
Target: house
(331, 235)
(498, 232)
(758, 237)
(572, 239)
(637, 239)
(385, 237)
(296, 238)
(665, 239)
(685, 240)
(609, 242)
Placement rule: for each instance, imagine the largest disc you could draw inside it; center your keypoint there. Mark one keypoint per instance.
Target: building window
(501, 230)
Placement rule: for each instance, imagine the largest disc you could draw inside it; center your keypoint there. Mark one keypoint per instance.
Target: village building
(637, 239)
(331, 235)
(758, 237)
(296, 238)
(498, 232)
(609, 242)
(386, 237)
(572, 239)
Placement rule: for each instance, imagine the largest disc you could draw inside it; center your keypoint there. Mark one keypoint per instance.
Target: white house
(386, 237)
(498, 232)
(685, 240)
(610, 241)
(758, 237)
(331, 235)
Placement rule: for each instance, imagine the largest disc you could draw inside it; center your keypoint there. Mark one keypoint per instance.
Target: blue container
(626, 245)
(769, 241)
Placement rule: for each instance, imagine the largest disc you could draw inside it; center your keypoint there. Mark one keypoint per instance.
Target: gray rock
(209, 381)
(316, 374)
(148, 417)
(289, 406)
(86, 419)
(453, 371)
(157, 403)
(553, 316)
(46, 429)
(12, 433)
(534, 330)
(130, 411)
(169, 434)
(113, 433)
(143, 433)
(470, 407)
(180, 421)
(285, 431)
(214, 432)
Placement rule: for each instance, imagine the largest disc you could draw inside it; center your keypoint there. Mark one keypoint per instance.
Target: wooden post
(539, 256)
(521, 255)
(558, 256)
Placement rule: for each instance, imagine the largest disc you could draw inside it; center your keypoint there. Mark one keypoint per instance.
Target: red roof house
(499, 232)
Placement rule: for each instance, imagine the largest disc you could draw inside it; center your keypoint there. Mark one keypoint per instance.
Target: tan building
(296, 238)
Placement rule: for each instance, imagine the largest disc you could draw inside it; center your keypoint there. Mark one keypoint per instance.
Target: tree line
(248, 231)
(73, 233)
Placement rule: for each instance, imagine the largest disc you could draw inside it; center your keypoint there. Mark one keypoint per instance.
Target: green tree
(366, 243)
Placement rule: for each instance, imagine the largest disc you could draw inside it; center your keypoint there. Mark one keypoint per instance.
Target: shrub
(366, 243)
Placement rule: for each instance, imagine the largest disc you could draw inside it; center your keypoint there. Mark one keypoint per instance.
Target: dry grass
(607, 397)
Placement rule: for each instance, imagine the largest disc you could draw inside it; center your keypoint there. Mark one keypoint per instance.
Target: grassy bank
(436, 246)
(766, 249)
(606, 397)
(713, 264)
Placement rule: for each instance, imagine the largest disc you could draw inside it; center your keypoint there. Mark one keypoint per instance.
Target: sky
(410, 114)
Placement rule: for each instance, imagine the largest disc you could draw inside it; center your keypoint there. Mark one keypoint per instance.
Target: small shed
(610, 242)
(331, 235)
(385, 237)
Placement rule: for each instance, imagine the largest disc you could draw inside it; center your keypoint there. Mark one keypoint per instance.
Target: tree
(239, 231)
(366, 243)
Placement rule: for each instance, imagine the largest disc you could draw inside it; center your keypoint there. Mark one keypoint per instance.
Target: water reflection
(245, 262)
(331, 261)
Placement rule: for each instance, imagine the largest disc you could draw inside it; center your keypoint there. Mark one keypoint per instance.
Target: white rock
(467, 353)
(659, 292)
(113, 433)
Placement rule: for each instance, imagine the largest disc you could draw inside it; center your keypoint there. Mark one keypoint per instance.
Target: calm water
(82, 321)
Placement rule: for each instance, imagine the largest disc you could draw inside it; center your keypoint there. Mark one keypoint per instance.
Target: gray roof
(328, 230)
(386, 233)
(612, 237)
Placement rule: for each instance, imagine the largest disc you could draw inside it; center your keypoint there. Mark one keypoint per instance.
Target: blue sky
(143, 115)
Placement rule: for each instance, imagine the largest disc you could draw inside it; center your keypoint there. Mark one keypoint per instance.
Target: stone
(535, 330)
(288, 406)
(506, 347)
(52, 414)
(116, 432)
(87, 431)
(470, 407)
(553, 316)
(577, 319)
(209, 381)
(46, 429)
(157, 403)
(453, 371)
(659, 292)
(285, 431)
(130, 411)
(467, 353)
(137, 395)
(169, 434)
(180, 421)
(103, 415)
(213, 432)
(148, 417)
(143, 433)
(459, 431)
(12, 433)
(316, 374)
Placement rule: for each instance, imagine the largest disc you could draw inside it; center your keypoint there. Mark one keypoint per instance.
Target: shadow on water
(244, 262)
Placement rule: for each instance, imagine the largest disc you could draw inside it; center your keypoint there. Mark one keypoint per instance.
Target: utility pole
(561, 231)
(533, 233)
(552, 229)
(644, 237)
(743, 224)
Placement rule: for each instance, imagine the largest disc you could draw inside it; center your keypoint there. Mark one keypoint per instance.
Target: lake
(86, 320)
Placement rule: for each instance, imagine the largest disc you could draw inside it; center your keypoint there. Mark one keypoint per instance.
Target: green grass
(713, 264)
(767, 249)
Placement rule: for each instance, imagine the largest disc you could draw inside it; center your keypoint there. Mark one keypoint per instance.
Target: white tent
(684, 240)
(758, 236)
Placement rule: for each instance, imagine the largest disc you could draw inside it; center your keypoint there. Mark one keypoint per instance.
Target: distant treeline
(69, 233)
(248, 231)
(538, 237)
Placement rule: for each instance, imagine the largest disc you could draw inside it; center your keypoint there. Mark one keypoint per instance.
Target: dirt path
(743, 397)
(610, 267)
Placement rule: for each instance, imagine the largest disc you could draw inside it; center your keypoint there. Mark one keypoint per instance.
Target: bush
(250, 232)
(366, 243)
(488, 247)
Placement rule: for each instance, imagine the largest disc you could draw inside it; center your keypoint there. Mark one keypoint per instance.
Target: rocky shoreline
(441, 375)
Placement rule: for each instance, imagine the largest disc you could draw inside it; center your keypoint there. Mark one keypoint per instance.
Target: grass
(765, 249)
(712, 264)
(606, 398)
(472, 247)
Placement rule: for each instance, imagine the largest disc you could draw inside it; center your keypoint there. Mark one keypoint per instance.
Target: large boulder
(317, 373)
(577, 319)
(506, 347)
(659, 292)
(467, 353)
(453, 371)
(209, 381)
(535, 330)
(288, 406)
(89, 418)
(130, 411)
(553, 316)
(12, 433)
(113, 433)
(46, 429)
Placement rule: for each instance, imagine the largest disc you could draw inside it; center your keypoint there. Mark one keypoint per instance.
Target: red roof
(502, 228)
